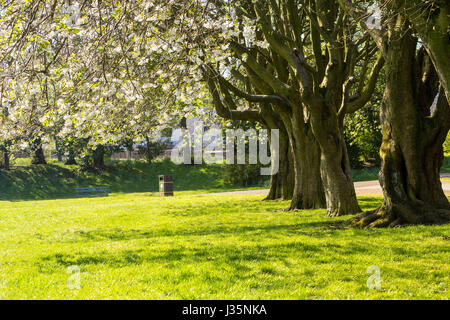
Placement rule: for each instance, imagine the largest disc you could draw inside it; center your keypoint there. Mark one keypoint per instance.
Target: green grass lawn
(232, 247)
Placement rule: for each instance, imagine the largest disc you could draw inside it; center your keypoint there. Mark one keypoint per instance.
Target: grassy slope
(58, 181)
(135, 246)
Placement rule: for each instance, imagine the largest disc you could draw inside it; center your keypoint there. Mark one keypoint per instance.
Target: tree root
(400, 215)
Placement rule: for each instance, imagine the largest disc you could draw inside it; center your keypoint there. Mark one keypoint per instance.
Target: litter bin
(165, 186)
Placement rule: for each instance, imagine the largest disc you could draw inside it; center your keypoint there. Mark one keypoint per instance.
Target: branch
(222, 111)
(249, 97)
(359, 101)
(274, 41)
(344, 103)
(360, 15)
(277, 85)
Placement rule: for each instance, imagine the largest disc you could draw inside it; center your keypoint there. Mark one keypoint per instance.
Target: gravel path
(365, 188)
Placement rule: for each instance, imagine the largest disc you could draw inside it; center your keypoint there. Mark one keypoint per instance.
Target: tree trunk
(311, 181)
(6, 160)
(5, 164)
(334, 162)
(308, 189)
(58, 150)
(38, 155)
(432, 26)
(148, 151)
(412, 151)
(99, 157)
(282, 183)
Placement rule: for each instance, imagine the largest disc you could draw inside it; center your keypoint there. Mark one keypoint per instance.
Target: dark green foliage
(242, 174)
(5, 155)
(152, 150)
(363, 136)
(94, 159)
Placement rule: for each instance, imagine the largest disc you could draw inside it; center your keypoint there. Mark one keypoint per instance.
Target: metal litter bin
(165, 186)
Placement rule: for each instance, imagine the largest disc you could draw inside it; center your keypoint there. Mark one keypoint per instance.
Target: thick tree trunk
(334, 163)
(308, 190)
(438, 45)
(275, 189)
(412, 150)
(411, 195)
(338, 181)
(99, 157)
(282, 183)
(38, 155)
(312, 186)
(432, 26)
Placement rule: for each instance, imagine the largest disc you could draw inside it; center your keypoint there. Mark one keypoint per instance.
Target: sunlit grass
(232, 247)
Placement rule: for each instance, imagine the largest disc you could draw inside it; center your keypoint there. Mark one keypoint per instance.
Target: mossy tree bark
(327, 125)
(308, 188)
(431, 21)
(413, 136)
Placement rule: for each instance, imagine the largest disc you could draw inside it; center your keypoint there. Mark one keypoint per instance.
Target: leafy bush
(363, 136)
(242, 174)
(447, 145)
(152, 150)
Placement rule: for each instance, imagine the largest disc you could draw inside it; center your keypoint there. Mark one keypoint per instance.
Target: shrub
(242, 174)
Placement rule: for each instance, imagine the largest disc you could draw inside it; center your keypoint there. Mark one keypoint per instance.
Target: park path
(364, 188)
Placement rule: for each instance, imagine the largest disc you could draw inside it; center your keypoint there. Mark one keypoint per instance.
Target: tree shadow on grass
(242, 261)
(307, 228)
(236, 258)
(229, 255)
